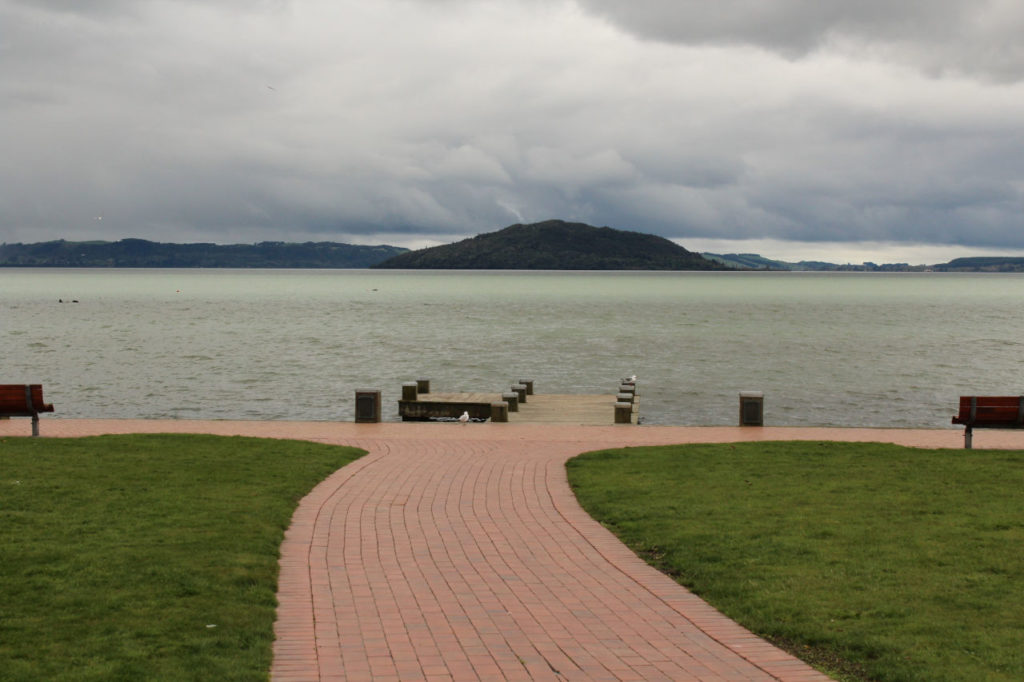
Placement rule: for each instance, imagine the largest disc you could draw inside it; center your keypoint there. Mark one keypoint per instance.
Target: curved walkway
(454, 552)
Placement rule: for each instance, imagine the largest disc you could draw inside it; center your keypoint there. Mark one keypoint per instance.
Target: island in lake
(556, 245)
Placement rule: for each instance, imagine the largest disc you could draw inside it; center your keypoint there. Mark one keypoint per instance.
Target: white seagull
(464, 418)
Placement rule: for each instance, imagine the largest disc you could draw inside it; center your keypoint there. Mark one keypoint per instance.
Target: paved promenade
(458, 552)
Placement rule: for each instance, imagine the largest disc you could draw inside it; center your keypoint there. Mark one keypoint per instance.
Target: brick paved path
(454, 552)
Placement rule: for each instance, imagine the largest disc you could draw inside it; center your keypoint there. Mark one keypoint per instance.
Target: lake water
(842, 349)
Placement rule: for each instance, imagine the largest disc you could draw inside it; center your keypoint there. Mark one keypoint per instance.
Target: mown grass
(146, 557)
(872, 562)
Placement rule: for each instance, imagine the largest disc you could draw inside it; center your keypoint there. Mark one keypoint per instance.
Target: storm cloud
(407, 122)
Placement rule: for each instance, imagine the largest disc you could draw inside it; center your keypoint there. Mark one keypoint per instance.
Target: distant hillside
(983, 264)
(750, 261)
(139, 253)
(556, 245)
(753, 261)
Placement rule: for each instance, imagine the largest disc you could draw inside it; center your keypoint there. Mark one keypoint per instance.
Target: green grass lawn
(146, 557)
(872, 562)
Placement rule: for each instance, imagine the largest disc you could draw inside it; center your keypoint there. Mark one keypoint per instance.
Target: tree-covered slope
(140, 253)
(556, 245)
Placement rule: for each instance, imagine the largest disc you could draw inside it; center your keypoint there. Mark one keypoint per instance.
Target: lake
(837, 349)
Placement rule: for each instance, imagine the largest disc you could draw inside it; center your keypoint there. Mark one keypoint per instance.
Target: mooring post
(751, 408)
(623, 413)
(521, 390)
(409, 390)
(367, 406)
(423, 385)
(499, 411)
(529, 385)
(512, 398)
(624, 398)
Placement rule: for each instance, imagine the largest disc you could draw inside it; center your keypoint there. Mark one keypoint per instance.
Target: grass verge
(870, 561)
(146, 557)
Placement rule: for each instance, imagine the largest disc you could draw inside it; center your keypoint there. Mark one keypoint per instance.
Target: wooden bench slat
(23, 400)
(991, 411)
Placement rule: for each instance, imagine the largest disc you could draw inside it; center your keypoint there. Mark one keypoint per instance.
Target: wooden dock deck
(584, 410)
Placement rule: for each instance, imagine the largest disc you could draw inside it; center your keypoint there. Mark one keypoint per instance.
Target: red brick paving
(455, 552)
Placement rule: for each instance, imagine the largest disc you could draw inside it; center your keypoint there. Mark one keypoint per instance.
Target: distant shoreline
(141, 254)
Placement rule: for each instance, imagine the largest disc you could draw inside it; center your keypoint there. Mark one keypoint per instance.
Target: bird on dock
(464, 418)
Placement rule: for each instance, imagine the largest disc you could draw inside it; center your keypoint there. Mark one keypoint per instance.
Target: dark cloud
(981, 37)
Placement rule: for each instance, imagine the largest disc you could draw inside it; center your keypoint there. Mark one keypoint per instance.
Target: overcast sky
(891, 131)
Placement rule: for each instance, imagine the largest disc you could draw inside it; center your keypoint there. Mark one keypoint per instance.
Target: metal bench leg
(35, 425)
(968, 434)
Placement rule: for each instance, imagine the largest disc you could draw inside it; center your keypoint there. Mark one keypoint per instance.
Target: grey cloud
(939, 36)
(330, 119)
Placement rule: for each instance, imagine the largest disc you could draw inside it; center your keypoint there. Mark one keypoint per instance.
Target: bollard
(423, 385)
(529, 385)
(521, 390)
(751, 408)
(623, 413)
(409, 391)
(625, 398)
(499, 411)
(512, 398)
(367, 406)
(627, 388)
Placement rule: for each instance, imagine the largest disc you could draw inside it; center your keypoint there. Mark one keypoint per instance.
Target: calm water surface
(845, 349)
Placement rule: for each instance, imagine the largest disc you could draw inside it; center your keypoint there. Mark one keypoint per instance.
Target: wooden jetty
(521, 405)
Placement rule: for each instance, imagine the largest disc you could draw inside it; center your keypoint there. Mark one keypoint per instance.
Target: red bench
(989, 412)
(23, 400)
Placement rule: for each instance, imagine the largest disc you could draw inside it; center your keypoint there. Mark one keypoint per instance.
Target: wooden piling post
(751, 408)
(512, 398)
(521, 390)
(529, 385)
(409, 390)
(367, 406)
(423, 385)
(623, 413)
(499, 411)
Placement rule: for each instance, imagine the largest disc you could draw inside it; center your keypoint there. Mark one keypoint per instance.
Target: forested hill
(140, 253)
(556, 245)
